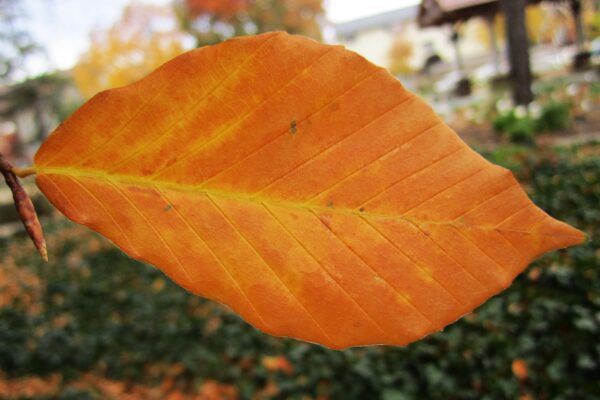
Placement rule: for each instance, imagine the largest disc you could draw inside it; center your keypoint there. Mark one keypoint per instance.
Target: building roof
(453, 5)
(438, 12)
(383, 20)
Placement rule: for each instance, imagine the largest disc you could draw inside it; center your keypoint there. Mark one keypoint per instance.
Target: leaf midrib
(248, 198)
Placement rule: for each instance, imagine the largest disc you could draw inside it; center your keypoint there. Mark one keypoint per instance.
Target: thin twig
(24, 207)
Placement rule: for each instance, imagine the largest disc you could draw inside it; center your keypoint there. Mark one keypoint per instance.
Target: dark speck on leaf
(362, 209)
(330, 204)
(293, 127)
(168, 208)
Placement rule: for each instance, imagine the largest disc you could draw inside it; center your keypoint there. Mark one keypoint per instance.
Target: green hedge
(94, 309)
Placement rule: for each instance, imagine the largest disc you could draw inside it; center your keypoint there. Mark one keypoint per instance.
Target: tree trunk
(518, 49)
(579, 31)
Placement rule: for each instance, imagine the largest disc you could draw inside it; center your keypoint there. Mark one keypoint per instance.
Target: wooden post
(454, 38)
(489, 21)
(579, 32)
(582, 59)
(518, 50)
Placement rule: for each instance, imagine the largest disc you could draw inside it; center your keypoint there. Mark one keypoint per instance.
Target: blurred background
(518, 80)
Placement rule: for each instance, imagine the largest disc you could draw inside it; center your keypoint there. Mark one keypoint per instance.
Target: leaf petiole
(24, 172)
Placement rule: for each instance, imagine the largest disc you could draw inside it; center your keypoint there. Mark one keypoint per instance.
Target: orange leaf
(519, 368)
(277, 363)
(302, 186)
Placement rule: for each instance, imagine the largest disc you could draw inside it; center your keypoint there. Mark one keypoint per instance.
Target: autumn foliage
(212, 21)
(300, 185)
(50, 387)
(401, 52)
(142, 39)
(222, 9)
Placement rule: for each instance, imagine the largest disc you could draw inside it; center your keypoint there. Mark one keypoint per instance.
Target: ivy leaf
(300, 185)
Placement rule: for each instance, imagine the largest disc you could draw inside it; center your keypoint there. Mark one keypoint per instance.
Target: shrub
(95, 310)
(554, 116)
(521, 126)
(517, 128)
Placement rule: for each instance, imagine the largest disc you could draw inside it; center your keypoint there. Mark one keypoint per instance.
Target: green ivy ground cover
(92, 309)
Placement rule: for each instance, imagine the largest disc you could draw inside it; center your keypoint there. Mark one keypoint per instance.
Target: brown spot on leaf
(293, 127)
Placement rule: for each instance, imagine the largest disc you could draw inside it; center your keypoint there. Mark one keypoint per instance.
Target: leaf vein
(289, 232)
(222, 265)
(531, 226)
(194, 149)
(128, 122)
(151, 225)
(458, 301)
(110, 216)
(339, 142)
(433, 196)
(518, 210)
(243, 197)
(474, 243)
(255, 250)
(460, 264)
(61, 192)
(420, 170)
(366, 165)
(398, 292)
(476, 206)
(126, 159)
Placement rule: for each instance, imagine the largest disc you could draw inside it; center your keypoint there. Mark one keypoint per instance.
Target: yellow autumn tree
(143, 38)
(401, 53)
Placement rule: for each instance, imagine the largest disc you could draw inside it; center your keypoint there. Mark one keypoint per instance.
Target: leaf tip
(574, 236)
(561, 235)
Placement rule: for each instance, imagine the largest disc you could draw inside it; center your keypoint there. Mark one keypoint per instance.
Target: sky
(63, 27)
(346, 10)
